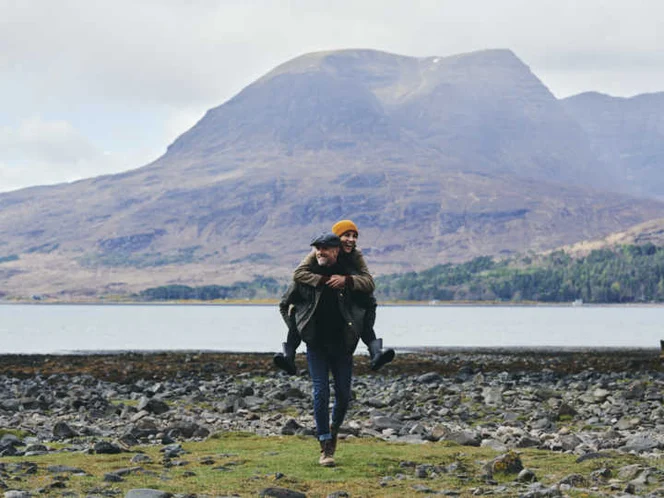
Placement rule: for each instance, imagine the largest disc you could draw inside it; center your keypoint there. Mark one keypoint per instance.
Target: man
(330, 322)
(361, 280)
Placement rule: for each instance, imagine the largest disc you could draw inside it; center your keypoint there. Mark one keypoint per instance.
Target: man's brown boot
(326, 453)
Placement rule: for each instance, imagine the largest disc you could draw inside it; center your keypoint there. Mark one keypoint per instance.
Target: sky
(98, 87)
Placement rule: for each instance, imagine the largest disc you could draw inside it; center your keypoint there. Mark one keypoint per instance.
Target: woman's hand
(337, 281)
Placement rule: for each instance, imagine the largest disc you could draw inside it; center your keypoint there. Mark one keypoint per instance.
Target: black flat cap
(326, 239)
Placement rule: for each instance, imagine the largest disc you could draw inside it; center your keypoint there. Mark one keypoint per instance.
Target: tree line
(624, 274)
(258, 288)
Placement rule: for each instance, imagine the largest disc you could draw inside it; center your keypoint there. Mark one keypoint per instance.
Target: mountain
(437, 159)
(627, 134)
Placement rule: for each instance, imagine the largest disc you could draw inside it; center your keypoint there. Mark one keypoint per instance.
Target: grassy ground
(243, 464)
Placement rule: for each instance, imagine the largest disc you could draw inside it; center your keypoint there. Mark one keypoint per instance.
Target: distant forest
(624, 274)
(259, 288)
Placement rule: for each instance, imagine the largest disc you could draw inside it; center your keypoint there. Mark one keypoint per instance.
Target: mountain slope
(436, 159)
(626, 133)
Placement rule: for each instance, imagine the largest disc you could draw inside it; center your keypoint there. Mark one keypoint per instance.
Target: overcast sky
(89, 87)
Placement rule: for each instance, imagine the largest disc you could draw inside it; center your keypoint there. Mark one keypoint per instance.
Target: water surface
(40, 328)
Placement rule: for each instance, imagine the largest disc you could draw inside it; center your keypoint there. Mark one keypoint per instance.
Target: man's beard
(324, 261)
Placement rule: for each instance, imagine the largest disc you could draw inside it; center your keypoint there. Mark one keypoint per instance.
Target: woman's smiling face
(348, 240)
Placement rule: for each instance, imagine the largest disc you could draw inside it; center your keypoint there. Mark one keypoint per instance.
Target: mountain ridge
(483, 160)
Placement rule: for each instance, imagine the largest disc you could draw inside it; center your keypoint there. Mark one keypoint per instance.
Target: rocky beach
(588, 403)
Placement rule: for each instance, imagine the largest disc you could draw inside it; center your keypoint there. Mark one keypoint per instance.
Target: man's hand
(337, 281)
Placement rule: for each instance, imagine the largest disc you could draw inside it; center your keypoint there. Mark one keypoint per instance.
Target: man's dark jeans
(321, 363)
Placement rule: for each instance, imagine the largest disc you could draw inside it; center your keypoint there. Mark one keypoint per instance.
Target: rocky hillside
(437, 159)
(650, 232)
(627, 135)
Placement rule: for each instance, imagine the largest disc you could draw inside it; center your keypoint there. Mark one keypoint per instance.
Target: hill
(437, 159)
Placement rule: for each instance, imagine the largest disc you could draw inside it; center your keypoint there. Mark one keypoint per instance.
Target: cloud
(38, 140)
(184, 53)
(127, 77)
(45, 152)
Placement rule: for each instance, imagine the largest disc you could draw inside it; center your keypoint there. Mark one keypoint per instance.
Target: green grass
(245, 464)
(15, 432)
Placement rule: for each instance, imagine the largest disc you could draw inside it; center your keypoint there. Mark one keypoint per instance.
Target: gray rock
(17, 494)
(538, 490)
(601, 475)
(112, 477)
(526, 475)
(186, 429)
(65, 469)
(574, 480)
(381, 422)
(10, 405)
(600, 395)
(422, 471)
(640, 443)
(634, 391)
(141, 458)
(508, 463)
(147, 493)
(429, 378)
(592, 456)
(153, 405)
(626, 423)
(291, 427)
(527, 441)
(567, 442)
(375, 402)
(629, 472)
(106, 448)
(494, 445)
(421, 488)
(565, 410)
(36, 449)
(62, 431)
(281, 493)
(464, 438)
(10, 440)
(492, 396)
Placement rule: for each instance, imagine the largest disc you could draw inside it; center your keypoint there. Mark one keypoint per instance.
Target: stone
(574, 480)
(381, 423)
(464, 438)
(281, 493)
(65, 469)
(17, 494)
(492, 396)
(429, 378)
(62, 431)
(147, 493)
(152, 405)
(106, 448)
(640, 443)
(112, 477)
(526, 475)
(508, 463)
(291, 427)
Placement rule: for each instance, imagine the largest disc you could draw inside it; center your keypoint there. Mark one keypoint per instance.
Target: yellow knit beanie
(343, 226)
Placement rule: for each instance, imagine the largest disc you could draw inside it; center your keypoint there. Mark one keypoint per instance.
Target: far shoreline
(275, 302)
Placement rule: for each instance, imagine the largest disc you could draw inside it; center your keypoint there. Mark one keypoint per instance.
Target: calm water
(66, 328)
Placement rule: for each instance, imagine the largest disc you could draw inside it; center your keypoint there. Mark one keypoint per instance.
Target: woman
(360, 281)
